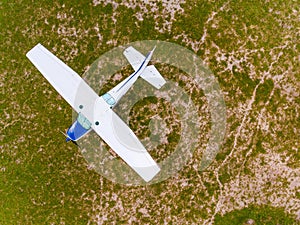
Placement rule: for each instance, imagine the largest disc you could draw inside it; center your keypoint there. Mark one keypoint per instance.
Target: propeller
(74, 142)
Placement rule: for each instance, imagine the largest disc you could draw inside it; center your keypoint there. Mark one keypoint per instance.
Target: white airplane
(96, 112)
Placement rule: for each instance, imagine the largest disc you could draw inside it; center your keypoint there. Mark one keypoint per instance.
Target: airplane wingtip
(147, 173)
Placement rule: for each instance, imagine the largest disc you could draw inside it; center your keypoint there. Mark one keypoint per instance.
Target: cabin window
(84, 122)
(109, 99)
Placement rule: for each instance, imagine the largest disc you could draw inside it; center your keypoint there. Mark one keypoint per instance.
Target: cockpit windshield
(84, 122)
(109, 99)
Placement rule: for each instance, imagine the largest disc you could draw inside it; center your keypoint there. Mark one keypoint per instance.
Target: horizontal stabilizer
(152, 76)
(134, 57)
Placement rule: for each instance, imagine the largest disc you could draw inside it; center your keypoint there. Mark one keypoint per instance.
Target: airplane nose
(68, 139)
(67, 136)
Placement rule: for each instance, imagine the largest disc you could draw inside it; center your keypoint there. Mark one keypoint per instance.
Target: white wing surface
(124, 142)
(134, 57)
(65, 81)
(152, 76)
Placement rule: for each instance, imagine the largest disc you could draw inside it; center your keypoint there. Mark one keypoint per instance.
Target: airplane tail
(153, 77)
(150, 74)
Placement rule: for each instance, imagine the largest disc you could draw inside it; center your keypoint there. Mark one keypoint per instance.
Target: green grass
(261, 215)
(44, 180)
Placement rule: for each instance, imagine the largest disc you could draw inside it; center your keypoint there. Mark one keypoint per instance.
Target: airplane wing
(134, 57)
(115, 132)
(104, 121)
(65, 80)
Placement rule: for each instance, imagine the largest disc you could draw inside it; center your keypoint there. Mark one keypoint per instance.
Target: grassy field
(253, 49)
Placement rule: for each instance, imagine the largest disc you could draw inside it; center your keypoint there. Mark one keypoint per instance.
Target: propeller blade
(68, 138)
(74, 142)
